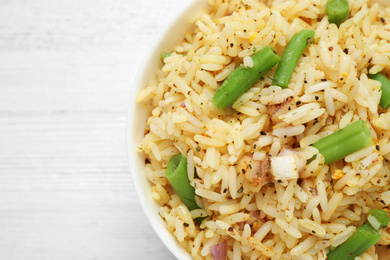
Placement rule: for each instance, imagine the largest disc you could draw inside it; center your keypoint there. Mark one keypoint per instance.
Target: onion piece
(256, 172)
(243, 225)
(219, 251)
(283, 167)
(256, 215)
(299, 159)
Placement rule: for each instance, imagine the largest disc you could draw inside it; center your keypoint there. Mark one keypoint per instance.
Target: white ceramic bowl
(171, 36)
(168, 38)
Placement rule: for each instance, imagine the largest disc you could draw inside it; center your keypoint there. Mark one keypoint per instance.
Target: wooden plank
(66, 70)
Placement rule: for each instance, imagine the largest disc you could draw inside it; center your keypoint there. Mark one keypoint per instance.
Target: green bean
(177, 175)
(364, 238)
(378, 218)
(350, 139)
(385, 97)
(164, 55)
(337, 11)
(241, 79)
(291, 55)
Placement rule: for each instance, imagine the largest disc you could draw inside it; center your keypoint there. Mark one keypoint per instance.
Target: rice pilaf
(268, 216)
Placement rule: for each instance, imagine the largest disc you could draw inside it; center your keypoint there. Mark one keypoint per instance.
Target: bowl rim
(134, 135)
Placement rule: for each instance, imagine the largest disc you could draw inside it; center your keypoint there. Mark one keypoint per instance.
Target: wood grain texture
(66, 70)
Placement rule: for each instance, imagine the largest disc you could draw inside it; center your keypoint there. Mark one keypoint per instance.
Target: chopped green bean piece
(177, 175)
(337, 11)
(241, 79)
(385, 97)
(350, 139)
(165, 54)
(364, 238)
(291, 56)
(378, 218)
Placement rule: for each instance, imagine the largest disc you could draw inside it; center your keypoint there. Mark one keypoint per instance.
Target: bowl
(171, 36)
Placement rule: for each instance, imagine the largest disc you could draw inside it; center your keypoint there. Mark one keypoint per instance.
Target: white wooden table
(66, 71)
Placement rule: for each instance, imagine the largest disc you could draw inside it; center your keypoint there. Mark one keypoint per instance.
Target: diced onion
(219, 251)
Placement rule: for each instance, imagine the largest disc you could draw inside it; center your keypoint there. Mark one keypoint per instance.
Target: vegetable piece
(256, 215)
(385, 97)
(241, 79)
(337, 11)
(256, 172)
(350, 139)
(219, 251)
(291, 55)
(364, 238)
(177, 175)
(276, 110)
(378, 218)
(284, 167)
(300, 161)
(165, 54)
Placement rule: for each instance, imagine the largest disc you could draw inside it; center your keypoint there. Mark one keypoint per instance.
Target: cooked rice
(291, 219)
